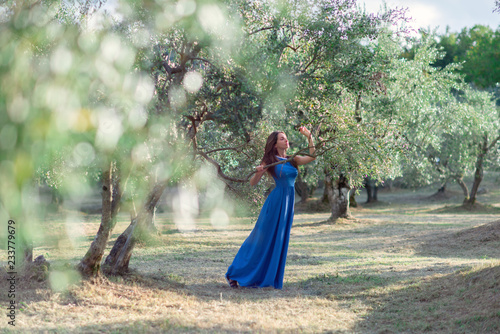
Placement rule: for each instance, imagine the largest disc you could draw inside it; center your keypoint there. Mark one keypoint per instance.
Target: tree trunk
(478, 174)
(28, 253)
(371, 189)
(338, 196)
(151, 223)
(23, 245)
(302, 189)
(442, 189)
(368, 186)
(324, 197)
(90, 265)
(461, 183)
(119, 256)
(388, 184)
(117, 261)
(478, 177)
(352, 198)
(56, 199)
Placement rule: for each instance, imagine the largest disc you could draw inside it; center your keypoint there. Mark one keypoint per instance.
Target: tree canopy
(476, 48)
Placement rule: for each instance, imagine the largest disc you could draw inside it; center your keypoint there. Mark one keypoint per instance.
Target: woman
(260, 262)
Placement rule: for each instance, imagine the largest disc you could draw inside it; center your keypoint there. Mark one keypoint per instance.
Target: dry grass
(402, 266)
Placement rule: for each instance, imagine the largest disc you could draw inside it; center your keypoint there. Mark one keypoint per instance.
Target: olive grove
(153, 95)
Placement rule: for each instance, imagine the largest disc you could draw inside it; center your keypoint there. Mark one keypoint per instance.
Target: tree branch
(302, 151)
(493, 143)
(203, 60)
(312, 60)
(291, 47)
(261, 29)
(237, 149)
(220, 173)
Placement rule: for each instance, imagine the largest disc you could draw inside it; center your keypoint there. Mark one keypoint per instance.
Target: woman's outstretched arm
(302, 160)
(258, 175)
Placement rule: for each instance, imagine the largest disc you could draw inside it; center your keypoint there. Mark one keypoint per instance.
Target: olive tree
(450, 127)
(483, 122)
(326, 66)
(290, 64)
(65, 89)
(147, 95)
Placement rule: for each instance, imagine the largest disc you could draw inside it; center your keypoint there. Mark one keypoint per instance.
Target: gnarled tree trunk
(90, 265)
(461, 183)
(478, 177)
(117, 261)
(478, 174)
(371, 190)
(352, 198)
(302, 189)
(442, 190)
(484, 149)
(338, 189)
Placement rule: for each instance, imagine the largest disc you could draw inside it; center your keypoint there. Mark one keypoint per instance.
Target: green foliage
(327, 55)
(161, 88)
(482, 65)
(289, 66)
(73, 101)
(477, 48)
(158, 83)
(448, 119)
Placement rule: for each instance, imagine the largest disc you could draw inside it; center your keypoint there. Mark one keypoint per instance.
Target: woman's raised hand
(304, 131)
(256, 177)
(260, 169)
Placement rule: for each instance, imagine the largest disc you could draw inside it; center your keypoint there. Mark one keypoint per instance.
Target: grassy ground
(408, 264)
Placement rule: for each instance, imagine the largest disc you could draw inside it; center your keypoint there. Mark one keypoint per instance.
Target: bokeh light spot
(83, 154)
(185, 7)
(60, 61)
(192, 81)
(8, 137)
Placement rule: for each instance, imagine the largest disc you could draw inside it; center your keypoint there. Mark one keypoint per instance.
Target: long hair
(270, 152)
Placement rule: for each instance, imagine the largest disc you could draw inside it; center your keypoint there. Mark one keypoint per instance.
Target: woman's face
(282, 142)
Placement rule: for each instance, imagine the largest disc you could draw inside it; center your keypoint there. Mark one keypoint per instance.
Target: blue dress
(260, 262)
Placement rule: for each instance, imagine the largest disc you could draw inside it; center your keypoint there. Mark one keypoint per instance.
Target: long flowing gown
(260, 261)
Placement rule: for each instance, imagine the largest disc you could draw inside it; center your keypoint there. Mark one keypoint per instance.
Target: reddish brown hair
(270, 152)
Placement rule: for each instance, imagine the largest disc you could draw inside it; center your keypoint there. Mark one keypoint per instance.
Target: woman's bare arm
(258, 175)
(302, 160)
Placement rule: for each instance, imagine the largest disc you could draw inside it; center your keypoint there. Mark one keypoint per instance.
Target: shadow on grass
(482, 241)
(461, 302)
(352, 281)
(373, 204)
(141, 326)
(477, 208)
(335, 286)
(152, 281)
(315, 222)
(26, 290)
(428, 237)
